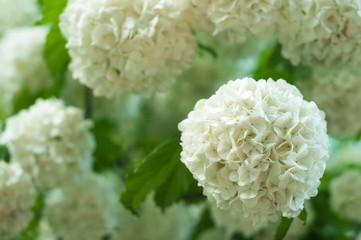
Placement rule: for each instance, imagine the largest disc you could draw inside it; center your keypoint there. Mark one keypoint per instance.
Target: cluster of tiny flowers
(229, 223)
(322, 32)
(238, 18)
(18, 13)
(17, 197)
(23, 63)
(50, 141)
(257, 148)
(82, 208)
(337, 92)
(346, 196)
(175, 223)
(232, 223)
(127, 46)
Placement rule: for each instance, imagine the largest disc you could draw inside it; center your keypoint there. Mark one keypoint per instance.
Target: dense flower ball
(50, 141)
(127, 46)
(238, 18)
(257, 148)
(232, 223)
(22, 62)
(83, 208)
(337, 92)
(322, 32)
(17, 197)
(346, 196)
(17, 13)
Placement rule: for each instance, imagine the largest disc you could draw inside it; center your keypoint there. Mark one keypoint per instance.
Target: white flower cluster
(127, 46)
(232, 222)
(22, 62)
(17, 197)
(17, 13)
(346, 196)
(257, 148)
(322, 32)
(82, 208)
(238, 18)
(175, 223)
(50, 141)
(337, 92)
(229, 223)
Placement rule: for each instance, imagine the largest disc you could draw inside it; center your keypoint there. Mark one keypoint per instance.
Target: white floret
(232, 223)
(257, 148)
(337, 92)
(345, 194)
(83, 208)
(127, 46)
(322, 32)
(17, 197)
(18, 13)
(22, 63)
(50, 141)
(239, 18)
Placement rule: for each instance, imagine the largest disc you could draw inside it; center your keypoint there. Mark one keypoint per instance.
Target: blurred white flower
(257, 148)
(233, 222)
(321, 32)
(337, 92)
(343, 156)
(345, 195)
(229, 223)
(50, 141)
(44, 231)
(17, 197)
(83, 208)
(22, 63)
(175, 223)
(18, 13)
(238, 18)
(127, 46)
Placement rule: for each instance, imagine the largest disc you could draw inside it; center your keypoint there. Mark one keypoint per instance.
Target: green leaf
(205, 223)
(4, 153)
(108, 151)
(55, 52)
(283, 228)
(25, 99)
(273, 65)
(31, 230)
(303, 216)
(163, 172)
(202, 49)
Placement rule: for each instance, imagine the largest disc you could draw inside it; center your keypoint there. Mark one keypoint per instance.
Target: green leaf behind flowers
(162, 172)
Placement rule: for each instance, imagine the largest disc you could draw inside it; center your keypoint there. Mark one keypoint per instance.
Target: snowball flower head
(50, 141)
(22, 63)
(82, 208)
(346, 196)
(18, 13)
(322, 32)
(337, 92)
(127, 46)
(257, 148)
(237, 18)
(17, 197)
